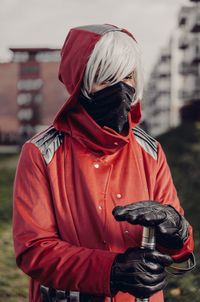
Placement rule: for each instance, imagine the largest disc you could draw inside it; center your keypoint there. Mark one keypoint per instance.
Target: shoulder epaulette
(48, 142)
(148, 143)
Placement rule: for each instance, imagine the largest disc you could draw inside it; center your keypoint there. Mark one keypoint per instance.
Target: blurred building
(30, 93)
(158, 94)
(173, 89)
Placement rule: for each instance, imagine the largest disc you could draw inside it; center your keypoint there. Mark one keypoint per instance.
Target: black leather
(139, 272)
(171, 228)
(110, 106)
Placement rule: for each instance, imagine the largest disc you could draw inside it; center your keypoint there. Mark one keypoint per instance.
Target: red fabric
(74, 57)
(64, 233)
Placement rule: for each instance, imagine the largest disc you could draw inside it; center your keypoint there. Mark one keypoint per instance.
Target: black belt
(50, 294)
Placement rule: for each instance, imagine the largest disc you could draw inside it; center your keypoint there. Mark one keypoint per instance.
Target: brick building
(30, 93)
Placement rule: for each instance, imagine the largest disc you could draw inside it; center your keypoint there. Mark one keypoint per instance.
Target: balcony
(164, 85)
(187, 68)
(195, 56)
(184, 95)
(24, 99)
(25, 114)
(183, 15)
(164, 70)
(29, 69)
(165, 54)
(48, 56)
(190, 96)
(197, 81)
(183, 42)
(152, 95)
(194, 21)
(192, 55)
(20, 57)
(29, 84)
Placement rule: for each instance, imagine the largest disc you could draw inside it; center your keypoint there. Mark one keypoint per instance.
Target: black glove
(171, 229)
(140, 272)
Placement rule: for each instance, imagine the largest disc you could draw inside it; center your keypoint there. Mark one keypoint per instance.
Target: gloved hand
(171, 229)
(140, 272)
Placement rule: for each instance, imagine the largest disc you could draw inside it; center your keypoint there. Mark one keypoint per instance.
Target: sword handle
(148, 238)
(148, 242)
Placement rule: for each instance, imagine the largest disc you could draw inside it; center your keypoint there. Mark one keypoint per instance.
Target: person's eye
(106, 82)
(129, 77)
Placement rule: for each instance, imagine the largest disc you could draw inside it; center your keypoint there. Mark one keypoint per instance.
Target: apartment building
(157, 97)
(30, 93)
(181, 80)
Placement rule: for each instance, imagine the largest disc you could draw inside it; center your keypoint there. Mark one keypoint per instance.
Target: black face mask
(110, 106)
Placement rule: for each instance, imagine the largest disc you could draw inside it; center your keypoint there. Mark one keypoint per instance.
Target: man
(87, 185)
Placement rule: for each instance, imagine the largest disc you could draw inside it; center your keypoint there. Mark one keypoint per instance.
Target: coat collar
(79, 125)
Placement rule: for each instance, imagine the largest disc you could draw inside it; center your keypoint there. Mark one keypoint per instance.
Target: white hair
(113, 58)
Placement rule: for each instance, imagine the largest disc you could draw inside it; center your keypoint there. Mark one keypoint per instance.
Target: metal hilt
(148, 238)
(142, 299)
(148, 242)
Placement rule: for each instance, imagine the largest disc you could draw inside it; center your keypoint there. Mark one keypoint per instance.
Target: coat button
(100, 207)
(116, 143)
(126, 232)
(96, 165)
(119, 195)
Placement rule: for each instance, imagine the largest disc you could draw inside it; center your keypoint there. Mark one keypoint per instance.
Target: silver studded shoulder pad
(148, 143)
(48, 142)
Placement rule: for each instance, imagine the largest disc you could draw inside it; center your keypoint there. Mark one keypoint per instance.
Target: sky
(45, 23)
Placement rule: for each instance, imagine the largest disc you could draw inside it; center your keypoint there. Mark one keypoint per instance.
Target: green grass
(182, 147)
(8, 165)
(6, 181)
(13, 282)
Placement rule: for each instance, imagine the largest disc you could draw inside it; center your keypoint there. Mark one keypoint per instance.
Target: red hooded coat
(71, 176)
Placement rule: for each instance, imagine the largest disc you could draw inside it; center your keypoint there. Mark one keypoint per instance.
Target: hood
(75, 53)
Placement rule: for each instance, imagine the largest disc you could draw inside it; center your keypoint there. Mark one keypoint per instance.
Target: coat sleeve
(40, 252)
(165, 192)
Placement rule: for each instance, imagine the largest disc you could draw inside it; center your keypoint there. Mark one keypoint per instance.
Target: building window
(24, 99)
(21, 57)
(27, 69)
(25, 114)
(30, 84)
(48, 56)
(38, 98)
(26, 130)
